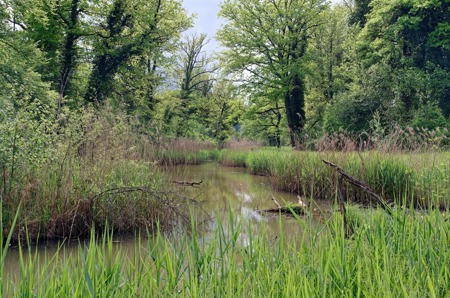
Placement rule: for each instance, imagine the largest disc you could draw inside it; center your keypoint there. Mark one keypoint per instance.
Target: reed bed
(403, 255)
(393, 139)
(422, 179)
(126, 194)
(96, 171)
(176, 157)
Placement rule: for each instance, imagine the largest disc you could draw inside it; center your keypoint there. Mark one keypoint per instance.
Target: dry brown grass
(187, 145)
(397, 140)
(242, 145)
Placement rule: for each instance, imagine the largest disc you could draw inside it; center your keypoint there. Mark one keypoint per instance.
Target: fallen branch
(299, 209)
(360, 185)
(276, 202)
(347, 229)
(186, 183)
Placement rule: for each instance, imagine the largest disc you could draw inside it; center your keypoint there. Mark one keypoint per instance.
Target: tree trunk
(295, 112)
(69, 55)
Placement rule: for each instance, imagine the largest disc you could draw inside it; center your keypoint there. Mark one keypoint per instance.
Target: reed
(175, 157)
(422, 179)
(99, 171)
(403, 255)
(230, 158)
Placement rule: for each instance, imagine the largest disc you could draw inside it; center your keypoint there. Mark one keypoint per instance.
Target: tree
(331, 51)
(131, 29)
(194, 66)
(56, 27)
(410, 36)
(26, 102)
(266, 43)
(360, 9)
(70, 52)
(21, 83)
(219, 111)
(194, 75)
(263, 119)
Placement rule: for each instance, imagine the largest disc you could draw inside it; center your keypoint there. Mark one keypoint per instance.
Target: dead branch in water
(187, 183)
(290, 209)
(360, 185)
(276, 202)
(347, 229)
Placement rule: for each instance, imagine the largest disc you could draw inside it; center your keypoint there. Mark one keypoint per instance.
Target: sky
(207, 20)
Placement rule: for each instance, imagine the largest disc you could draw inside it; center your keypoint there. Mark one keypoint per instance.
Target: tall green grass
(419, 178)
(175, 157)
(406, 255)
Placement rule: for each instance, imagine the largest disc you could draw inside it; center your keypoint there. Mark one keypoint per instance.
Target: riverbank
(418, 179)
(403, 255)
(78, 188)
(96, 172)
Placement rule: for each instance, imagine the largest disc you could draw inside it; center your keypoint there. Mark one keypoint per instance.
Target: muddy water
(222, 189)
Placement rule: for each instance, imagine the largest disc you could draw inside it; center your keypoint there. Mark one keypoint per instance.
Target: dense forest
(289, 72)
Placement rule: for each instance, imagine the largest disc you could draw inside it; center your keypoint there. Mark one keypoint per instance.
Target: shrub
(429, 116)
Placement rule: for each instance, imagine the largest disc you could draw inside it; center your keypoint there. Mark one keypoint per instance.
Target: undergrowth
(94, 169)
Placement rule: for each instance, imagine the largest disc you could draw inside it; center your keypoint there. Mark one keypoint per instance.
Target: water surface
(224, 189)
(221, 190)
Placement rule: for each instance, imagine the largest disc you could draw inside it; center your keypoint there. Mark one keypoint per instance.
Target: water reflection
(225, 189)
(222, 190)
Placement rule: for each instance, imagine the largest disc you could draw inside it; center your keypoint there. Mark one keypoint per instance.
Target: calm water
(222, 189)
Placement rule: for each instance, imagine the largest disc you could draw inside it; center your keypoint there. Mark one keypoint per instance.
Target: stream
(221, 190)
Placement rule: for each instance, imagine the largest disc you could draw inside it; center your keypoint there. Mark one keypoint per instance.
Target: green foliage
(264, 119)
(27, 109)
(266, 43)
(440, 37)
(391, 66)
(353, 109)
(346, 115)
(21, 83)
(359, 13)
(133, 29)
(414, 26)
(299, 64)
(429, 116)
(26, 138)
(201, 117)
(96, 170)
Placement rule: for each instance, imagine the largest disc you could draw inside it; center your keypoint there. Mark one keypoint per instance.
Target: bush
(429, 116)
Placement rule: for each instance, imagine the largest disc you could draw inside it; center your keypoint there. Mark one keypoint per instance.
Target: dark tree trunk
(69, 54)
(277, 136)
(115, 49)
(105, 67)
(151, 68)
(100, 81)
(111, 53)
(295, 113)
